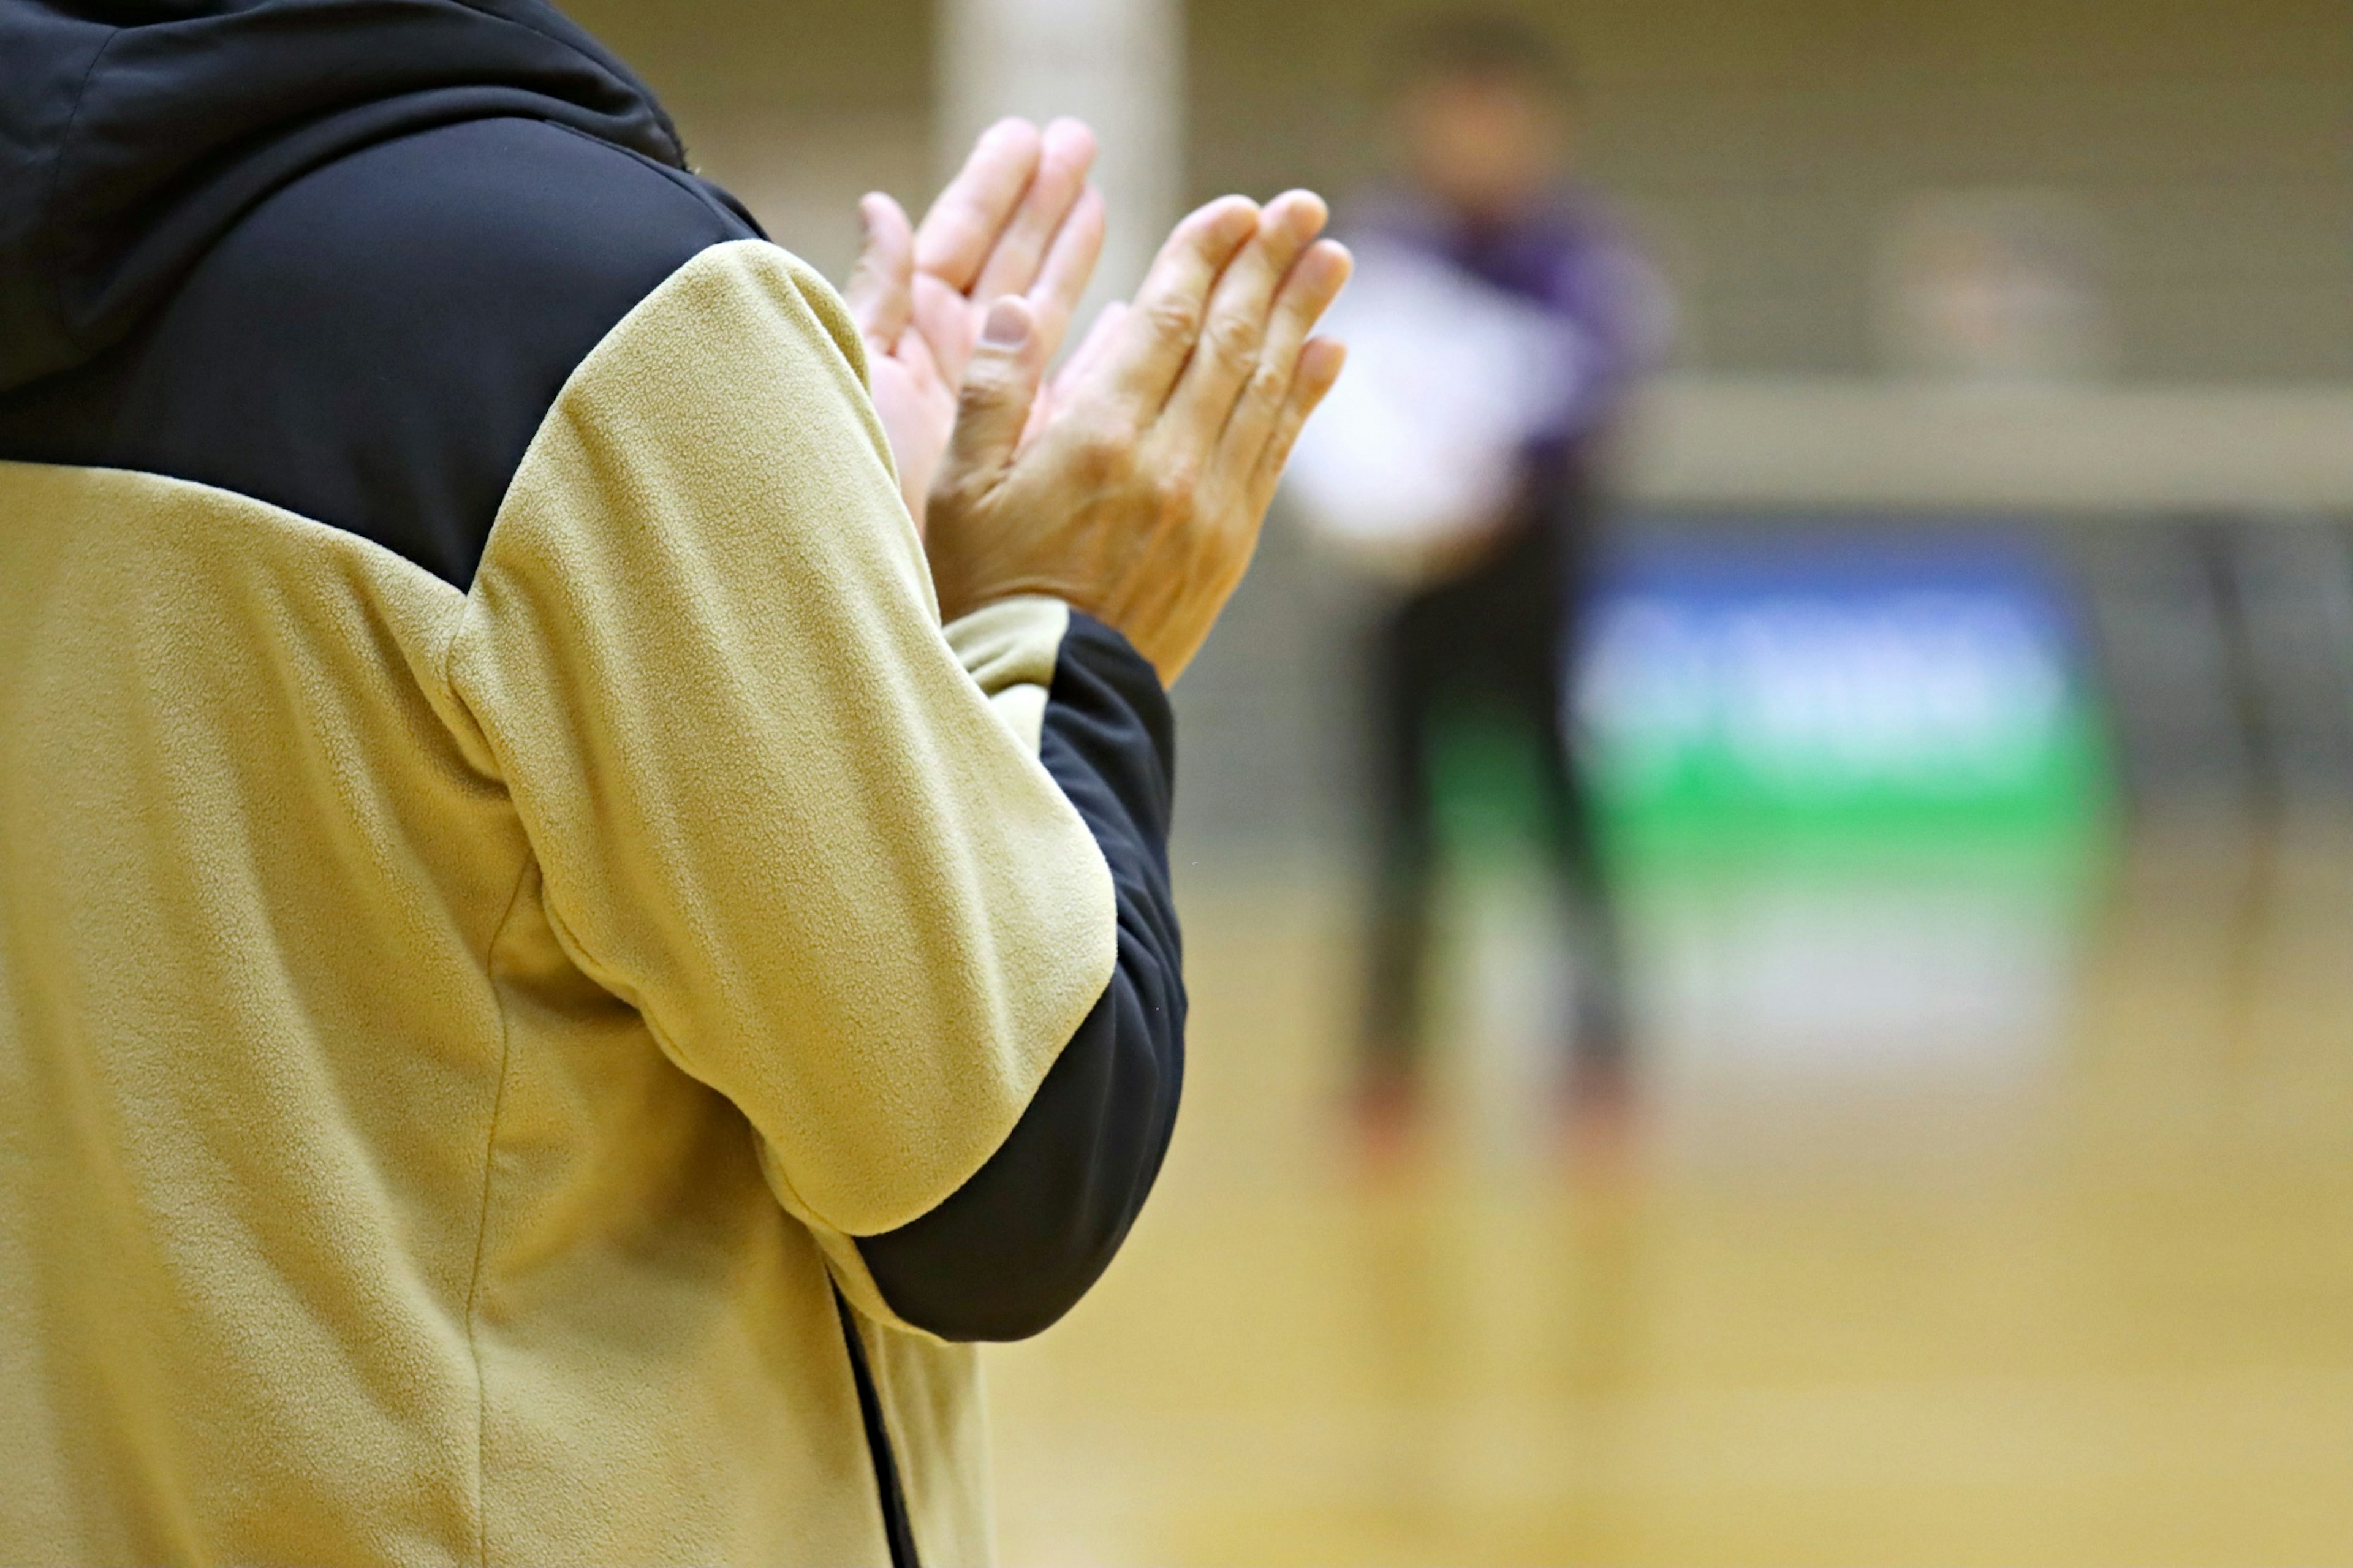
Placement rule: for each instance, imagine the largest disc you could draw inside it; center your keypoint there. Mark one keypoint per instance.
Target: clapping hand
(1019, 219)
(1137, 491)
(1134, 485)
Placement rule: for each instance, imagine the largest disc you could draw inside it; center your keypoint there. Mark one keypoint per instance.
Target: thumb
(1000, 384)
(880, 288)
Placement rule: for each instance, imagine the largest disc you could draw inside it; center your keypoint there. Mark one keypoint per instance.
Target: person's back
(341, 1200)
(541, 997)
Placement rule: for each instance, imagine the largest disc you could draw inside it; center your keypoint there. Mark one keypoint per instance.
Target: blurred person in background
(1497, 322)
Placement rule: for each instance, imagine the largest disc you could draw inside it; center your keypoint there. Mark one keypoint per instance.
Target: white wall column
(1116, 64)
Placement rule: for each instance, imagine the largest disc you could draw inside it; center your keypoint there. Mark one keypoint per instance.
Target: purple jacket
(1571, 258)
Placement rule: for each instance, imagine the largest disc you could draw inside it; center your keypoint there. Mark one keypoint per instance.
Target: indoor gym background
(1977, 735)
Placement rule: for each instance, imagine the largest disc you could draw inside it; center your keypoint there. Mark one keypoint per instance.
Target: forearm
(1018, 1244)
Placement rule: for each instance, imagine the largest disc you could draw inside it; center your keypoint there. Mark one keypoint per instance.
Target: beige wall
(797, 106)
(1768, 145)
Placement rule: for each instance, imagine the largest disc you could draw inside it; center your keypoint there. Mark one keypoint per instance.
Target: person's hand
(1019, 218)
(1137, 494)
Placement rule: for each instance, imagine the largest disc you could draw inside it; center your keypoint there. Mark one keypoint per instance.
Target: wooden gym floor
(1962, 1224)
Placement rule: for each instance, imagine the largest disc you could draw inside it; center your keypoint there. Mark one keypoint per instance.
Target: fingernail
(1008, 326)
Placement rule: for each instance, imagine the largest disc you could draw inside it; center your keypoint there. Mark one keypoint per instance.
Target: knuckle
(1102, 449)
(984, 384)
(1236, 341)
(1268, 385)
(1173, 320)
(1106, 441)
(1176, 488)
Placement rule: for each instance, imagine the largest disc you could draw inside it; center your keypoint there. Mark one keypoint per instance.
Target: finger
(1068, 267)
(963, 223)
(1081, 364)
(1066, 153)
(1095, 348)
(1319, 366)
(1236, 329)
(1314, 282)
(944, 319)
(1158, 331)
(999, 387)
(881, 289)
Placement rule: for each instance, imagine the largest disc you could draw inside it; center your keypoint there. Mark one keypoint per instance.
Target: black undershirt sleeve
(1016, 1245)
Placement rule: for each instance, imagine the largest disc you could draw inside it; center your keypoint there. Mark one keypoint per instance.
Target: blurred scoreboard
(1770, 678)
(1855, 774)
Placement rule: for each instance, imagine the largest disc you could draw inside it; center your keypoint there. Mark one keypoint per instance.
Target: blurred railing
(1766, 442)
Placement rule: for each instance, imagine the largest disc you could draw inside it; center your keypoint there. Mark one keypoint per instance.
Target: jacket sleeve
(773, 808)
(1016, 1245)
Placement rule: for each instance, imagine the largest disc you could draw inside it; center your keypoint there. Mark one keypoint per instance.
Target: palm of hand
(914, 383)
(1134, 488)
(1019, 219)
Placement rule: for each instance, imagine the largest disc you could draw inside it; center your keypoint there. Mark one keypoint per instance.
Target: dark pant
(1499, 637)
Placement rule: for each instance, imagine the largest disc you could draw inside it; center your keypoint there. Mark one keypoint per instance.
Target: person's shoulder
(375, 344)
(1604, 275)
(511, 209)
